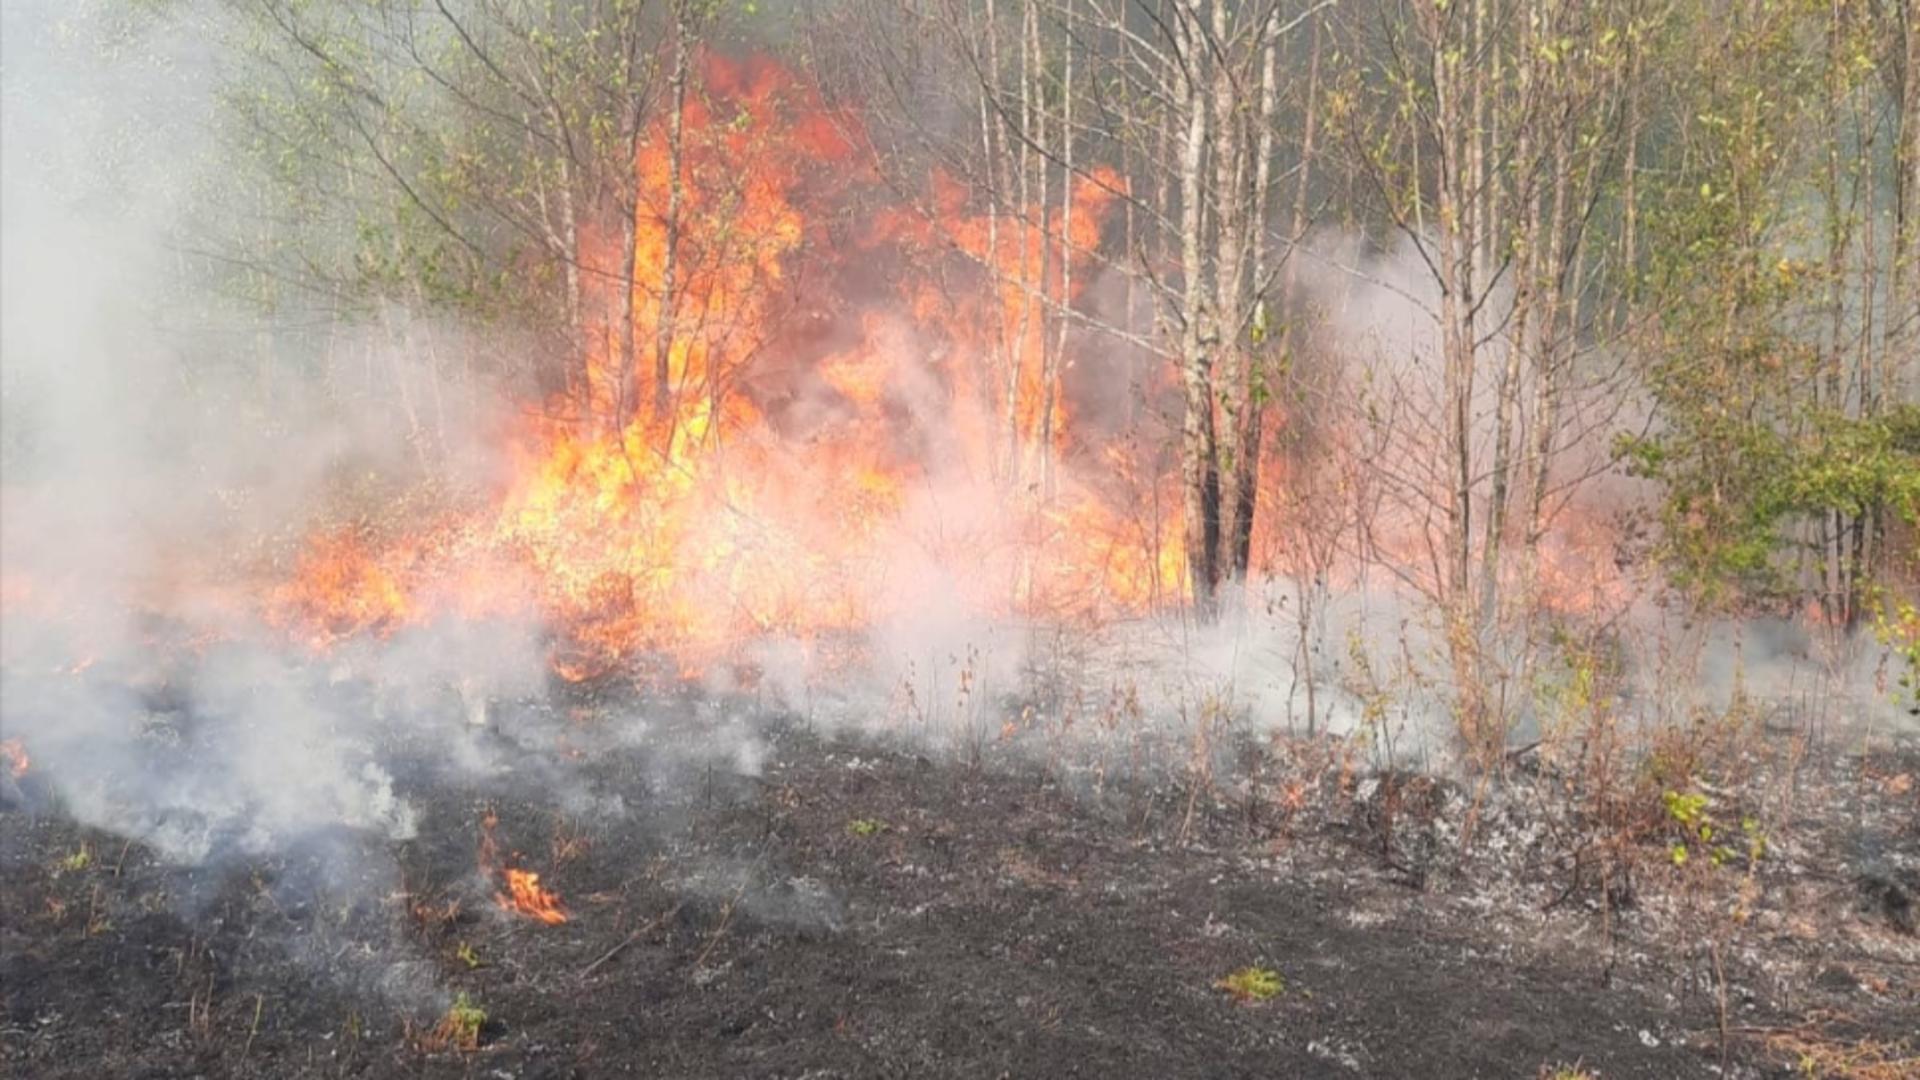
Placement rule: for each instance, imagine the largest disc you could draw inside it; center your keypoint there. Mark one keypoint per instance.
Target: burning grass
(13, 755)
(785, 488)
(521, 891)
(875, 423)
(524, 895)
(833, 453)
(920, 463)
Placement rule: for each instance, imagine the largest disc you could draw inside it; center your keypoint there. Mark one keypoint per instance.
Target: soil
(861, 908)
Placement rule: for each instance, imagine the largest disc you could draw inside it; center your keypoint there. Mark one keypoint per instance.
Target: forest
(960, 537)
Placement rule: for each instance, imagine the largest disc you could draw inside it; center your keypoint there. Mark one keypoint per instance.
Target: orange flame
(525, 896)
(752, 501)
(523, 892)
(14, 753)
(854, 395)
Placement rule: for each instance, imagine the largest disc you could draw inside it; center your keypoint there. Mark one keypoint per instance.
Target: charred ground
(861, 908)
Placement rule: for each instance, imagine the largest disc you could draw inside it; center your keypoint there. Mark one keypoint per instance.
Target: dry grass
(1812, 1051)
(459, 1029)
(1865, 1059)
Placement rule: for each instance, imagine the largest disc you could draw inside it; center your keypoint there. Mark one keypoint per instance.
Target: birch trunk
(1199, 477)
(663, 326)
(1230, 243)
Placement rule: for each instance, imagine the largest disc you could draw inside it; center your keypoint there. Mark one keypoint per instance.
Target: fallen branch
(258, 999)
(726, 918)
(621, 946)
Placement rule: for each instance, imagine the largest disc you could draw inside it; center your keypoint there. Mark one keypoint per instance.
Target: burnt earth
(861, 910)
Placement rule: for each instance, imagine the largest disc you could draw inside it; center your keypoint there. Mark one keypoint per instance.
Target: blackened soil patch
(853, 911)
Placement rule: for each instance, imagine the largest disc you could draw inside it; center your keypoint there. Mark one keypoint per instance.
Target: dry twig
(621, 946)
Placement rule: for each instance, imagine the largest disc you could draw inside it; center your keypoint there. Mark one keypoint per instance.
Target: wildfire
(523, 892)
(14, 754)
(866, 406)
(787, 485)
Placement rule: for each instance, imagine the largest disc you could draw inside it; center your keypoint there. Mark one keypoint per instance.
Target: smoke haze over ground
(149, 471)
(729, 584)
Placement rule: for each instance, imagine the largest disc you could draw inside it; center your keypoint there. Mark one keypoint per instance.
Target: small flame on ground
(14, 754)
(523, 893)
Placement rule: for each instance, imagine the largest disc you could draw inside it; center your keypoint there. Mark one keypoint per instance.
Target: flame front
(818, 459)
(872, 404)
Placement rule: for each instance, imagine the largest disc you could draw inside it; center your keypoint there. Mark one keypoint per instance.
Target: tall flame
(761, 496)
(868, 407)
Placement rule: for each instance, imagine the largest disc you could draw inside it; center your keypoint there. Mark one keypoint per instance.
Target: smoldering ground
(146, 477)
(143, 475)
(139, 468)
